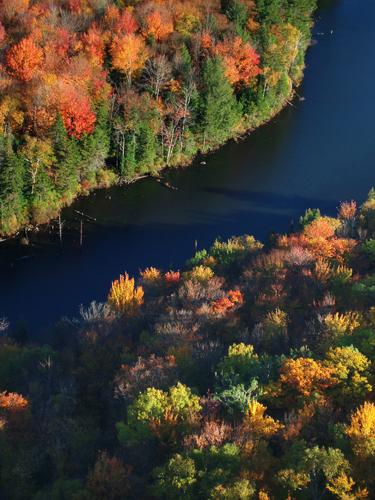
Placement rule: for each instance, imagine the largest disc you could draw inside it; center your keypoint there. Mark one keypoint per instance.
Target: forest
(247, 374)
(97, 92)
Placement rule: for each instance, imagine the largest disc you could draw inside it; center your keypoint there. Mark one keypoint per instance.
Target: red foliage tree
(126, 24)
(77, 113)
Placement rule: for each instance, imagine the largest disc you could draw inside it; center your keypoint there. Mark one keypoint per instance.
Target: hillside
(249, 374)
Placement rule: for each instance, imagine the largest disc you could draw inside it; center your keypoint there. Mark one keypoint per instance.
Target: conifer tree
(12, 200)
(220, 109)
(147, 148)
(67, 160)
(94, 147)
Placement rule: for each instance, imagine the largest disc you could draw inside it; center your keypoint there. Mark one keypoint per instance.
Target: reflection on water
(315, 153)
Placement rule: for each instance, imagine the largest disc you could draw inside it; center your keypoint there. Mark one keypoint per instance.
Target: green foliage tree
(12, 183)
(66, 152)
(220, 110)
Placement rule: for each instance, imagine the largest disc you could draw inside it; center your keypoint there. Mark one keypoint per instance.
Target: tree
(2, 33)
(361, 431)
(256, 426)
(77, 113)
(158, 27)
(159, 414)
(126, 23)
(176, 478)
(124, 297)
(24, 58)
(12, 184)
(129, 54)
(10, 9)
(67, 157)
(109, 479)
(220, 110)
(157, 74)
(147, 148)
(322, 466)
(350, 371)
(155, 371)
(94, 46)
(38, 153)
(238, 12)
(304, 378)
(39, 157)
(241, 61)
(94, 147)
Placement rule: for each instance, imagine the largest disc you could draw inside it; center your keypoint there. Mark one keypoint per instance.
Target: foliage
(124, 296)
(174, 79)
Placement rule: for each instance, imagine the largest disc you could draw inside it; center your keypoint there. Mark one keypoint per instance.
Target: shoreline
(35, 228)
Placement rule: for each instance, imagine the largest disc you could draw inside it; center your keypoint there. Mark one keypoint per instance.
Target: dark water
(316, 153)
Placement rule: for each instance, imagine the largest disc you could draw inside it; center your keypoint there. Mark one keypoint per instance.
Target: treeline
(249, 374)
(97, 91)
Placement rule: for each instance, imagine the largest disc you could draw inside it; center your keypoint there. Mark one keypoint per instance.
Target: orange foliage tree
(304, 377)
(11, 401)
(24, 59)
(93, 44)
(158, 27)
(240, 59)
(2, 33)
(11, 8)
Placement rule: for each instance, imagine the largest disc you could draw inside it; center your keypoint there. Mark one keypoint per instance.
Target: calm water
(316, 153)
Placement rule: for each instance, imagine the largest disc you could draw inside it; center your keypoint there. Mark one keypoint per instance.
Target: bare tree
(172, 129)
(157, 73)
(4, 325)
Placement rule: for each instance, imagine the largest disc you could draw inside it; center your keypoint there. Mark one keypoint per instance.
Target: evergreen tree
(129, 163)
(67, 160)
(146, 148)
(237, 12)
(12, 200)
(220, 109)
(269, 12)
(95, 147)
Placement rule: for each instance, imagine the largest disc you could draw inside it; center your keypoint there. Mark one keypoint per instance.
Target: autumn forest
(95, 92)
(246, 372)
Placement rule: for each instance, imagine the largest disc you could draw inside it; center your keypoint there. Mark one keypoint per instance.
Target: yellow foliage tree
(342, 487)
(256, 427)
(200, 274)
(129, 54)
(339, 324)
(124, 297)
(361, 430)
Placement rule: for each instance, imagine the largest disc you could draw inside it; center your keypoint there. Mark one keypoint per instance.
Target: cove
(317, 152)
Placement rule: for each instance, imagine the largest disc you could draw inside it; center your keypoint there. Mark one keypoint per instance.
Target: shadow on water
(314, 154)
